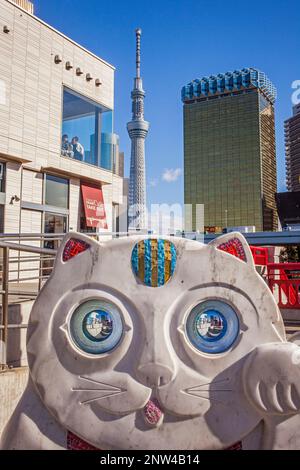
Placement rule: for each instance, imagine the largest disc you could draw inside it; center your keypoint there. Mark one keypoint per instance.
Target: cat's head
(140, 342)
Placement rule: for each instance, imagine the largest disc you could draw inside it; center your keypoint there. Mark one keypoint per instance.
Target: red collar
(75, 443)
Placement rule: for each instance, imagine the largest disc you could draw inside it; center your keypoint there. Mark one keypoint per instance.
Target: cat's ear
(236, 245)
(74, 245)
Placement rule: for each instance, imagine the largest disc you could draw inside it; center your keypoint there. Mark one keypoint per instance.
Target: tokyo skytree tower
(137, 130)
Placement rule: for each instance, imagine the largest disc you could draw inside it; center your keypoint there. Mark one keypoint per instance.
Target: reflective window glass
(57, 191)
(87, 131)
(2, 170)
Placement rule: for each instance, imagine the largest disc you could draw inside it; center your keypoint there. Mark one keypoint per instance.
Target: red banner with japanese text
(94, 207)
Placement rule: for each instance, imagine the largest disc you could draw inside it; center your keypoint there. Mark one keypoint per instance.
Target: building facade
(229, 150)
(60, 167)
(292, 150)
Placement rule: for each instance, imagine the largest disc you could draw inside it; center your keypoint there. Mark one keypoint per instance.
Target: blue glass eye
(212, 326)
(96, 326)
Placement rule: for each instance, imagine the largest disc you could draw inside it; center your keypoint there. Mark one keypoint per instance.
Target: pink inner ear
(73, 248)
(235, 248)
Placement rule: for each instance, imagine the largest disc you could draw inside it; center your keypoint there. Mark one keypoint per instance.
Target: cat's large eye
(96, 326)
(212, 326)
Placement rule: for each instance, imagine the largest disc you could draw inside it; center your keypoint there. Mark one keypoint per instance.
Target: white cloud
(153, 183)
(170, 175)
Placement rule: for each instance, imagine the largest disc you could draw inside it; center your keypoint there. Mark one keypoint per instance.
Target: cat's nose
(154, 375)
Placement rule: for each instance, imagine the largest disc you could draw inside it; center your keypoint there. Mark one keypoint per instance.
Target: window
(2, 174)
(53, 223)
(56, 191)
(87, 134)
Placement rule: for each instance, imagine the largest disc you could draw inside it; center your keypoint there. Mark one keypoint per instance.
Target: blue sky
(182, 40)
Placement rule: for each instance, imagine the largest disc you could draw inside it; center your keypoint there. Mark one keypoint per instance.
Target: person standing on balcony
(78, 149)
(66, 147)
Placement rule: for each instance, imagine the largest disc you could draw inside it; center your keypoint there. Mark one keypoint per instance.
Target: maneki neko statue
(157, 343)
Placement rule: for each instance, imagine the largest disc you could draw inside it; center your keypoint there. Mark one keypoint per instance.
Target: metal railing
(24, 268)
(26, 262)
(284, 282)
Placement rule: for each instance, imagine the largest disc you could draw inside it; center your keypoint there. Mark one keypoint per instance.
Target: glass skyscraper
(229, 149)
(292, 150)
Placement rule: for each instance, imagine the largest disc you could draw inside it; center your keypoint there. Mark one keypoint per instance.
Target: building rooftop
(229, 82)
(28, 8)
(25, 4)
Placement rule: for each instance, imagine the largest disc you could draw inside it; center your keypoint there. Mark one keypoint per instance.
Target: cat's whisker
(107, 390)
(86, 402)
(107, 387)
(209, 390)
(94, 390)
(212, 382)
(89, 379)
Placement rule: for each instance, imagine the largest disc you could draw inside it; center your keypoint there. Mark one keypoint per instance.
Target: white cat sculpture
(151, 343)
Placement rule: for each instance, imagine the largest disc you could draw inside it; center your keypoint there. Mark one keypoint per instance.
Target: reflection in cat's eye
(98, 325)
(211, 325)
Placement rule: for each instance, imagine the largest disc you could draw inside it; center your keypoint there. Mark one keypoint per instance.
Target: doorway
(53, 224)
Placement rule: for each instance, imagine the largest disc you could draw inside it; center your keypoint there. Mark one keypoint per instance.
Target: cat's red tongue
(153, 413)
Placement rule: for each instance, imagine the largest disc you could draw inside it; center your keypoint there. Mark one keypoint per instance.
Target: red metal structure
(260, 255)
(282, 278)
(284, 282)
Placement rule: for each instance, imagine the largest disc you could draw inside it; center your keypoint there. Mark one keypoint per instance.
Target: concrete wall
(18, 314)
(12, 385)
(12, 188)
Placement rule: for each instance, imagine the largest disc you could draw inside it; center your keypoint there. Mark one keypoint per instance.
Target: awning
(94, 207)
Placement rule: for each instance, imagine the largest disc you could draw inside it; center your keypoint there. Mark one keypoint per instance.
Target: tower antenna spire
(138, 130)
(138, 33)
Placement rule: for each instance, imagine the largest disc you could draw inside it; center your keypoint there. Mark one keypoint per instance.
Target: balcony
(87, 131)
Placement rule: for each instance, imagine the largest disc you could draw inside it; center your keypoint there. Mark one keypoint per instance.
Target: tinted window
(87, 134)
(2, 171)
(57, 191)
